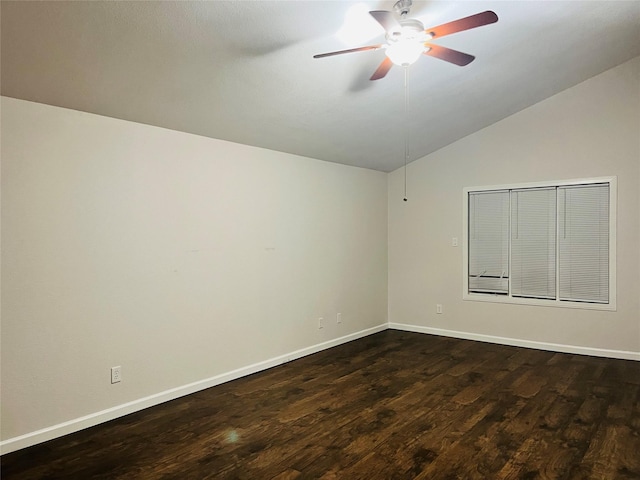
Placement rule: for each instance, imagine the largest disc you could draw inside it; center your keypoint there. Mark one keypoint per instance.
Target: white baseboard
(516, 342)
(77, 424)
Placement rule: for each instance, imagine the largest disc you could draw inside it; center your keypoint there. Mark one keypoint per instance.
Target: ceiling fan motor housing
(410, 29)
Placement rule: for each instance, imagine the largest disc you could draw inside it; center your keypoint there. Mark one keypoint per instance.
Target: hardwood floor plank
(394, 405)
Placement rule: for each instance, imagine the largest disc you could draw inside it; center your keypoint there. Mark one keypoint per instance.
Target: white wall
(590, 130)
(178, 257)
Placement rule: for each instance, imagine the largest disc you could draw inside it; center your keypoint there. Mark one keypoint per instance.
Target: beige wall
(175, 256)
(590, 130)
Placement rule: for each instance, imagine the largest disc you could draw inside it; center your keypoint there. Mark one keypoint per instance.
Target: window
(551, 243)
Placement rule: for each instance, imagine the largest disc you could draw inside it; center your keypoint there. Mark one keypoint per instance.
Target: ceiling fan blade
(449, 55)
(351, 50)
(383, 69)
(466, 23)
(387, 20)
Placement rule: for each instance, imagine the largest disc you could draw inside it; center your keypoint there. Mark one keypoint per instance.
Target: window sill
(611, 307)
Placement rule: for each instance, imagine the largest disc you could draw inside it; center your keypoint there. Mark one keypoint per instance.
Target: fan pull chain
(406, 131)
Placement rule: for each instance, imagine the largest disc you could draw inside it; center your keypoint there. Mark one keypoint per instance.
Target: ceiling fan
(407, 38)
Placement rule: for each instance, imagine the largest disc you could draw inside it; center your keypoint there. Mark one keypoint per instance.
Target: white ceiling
(243, 71)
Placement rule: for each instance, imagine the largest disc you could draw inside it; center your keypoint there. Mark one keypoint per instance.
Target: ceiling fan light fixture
(405, 52)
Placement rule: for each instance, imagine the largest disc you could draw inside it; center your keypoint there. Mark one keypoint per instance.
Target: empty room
(268, 239)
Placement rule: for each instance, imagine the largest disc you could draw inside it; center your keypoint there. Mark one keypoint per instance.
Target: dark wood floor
(394, 405)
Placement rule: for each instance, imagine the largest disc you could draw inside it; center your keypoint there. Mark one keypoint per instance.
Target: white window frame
(496, 298)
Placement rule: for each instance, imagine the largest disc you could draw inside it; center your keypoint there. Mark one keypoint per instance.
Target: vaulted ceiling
(244, 71)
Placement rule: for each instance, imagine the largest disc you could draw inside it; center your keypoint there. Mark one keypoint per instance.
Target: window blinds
(533, 243)
(488, 233)
(543, 242)
(583, 223)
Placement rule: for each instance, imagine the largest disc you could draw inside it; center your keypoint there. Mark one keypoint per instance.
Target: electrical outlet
(320, 323)
(338, 318)
(454, 242)
(116, 374)
(439, 308)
